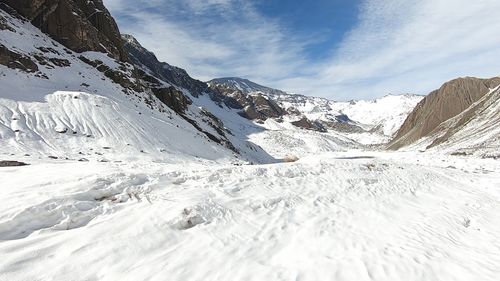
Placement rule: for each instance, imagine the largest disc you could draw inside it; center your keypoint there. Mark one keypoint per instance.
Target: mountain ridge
(452, 99)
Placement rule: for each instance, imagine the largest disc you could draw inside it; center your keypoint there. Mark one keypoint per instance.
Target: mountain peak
(244, 85)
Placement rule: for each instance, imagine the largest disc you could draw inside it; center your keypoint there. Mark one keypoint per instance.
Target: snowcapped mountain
(383, 115)
(367, 122)
(88, 105)
(117, 166)
(244, 85)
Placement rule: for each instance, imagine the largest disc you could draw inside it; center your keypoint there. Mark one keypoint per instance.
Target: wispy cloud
(410, 46)
(397, 46)
(213, 38)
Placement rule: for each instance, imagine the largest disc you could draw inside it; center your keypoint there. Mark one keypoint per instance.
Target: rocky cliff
(80, 25)
(174, 75)
(453, 98)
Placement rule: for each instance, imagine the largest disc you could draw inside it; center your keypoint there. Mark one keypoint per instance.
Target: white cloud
(411, 46)
(212, 38)
(397, 46)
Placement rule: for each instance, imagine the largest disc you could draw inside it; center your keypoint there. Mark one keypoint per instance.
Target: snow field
(341, 216)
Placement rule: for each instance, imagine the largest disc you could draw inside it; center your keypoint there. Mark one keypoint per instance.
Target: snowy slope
(368, 122)
(385, 114)
(76, 112)
(348, 216)
(244, 85)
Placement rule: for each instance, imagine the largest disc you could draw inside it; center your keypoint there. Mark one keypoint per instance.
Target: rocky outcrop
(264, 108)
(80, 25)
(173, 98)
(244, 85)
(307, 124)
(155, 75)
(166, 72)
(253, 106)
(16, 61)
(451, 99)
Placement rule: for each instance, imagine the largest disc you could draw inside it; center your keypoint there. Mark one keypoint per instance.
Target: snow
(79, 113)
(336, 216)
(389, 111)
(117, 190)
(81, 125)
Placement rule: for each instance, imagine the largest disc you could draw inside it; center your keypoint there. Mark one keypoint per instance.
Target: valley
(115, 165)
(351, 215)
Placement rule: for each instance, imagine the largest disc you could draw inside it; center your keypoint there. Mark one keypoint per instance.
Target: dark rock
(173, 98)
(117, 76)
(254, 107)
(16, 61)
(307, 124)
(6, 163)
(166, 72)
(244, 85)
(60, 62)
(5, 26)
(80, 25)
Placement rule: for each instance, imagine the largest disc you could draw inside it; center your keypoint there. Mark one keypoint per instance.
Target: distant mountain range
(85, 68)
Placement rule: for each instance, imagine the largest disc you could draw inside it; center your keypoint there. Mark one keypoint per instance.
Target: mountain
(383, 115)
(177, 76)
(101, 105)
(80, 25)
(367, 122)
(462, 114)
(115, 165)
(244, 85)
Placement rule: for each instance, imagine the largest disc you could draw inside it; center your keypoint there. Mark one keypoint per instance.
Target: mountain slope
(80, 25)
(244, 85)
(166, 72)
(56, 102)
(365, 121)
(452, 109)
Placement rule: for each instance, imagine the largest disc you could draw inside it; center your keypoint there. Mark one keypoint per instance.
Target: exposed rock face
(265, 108)
(16, 61)
(244, 85)
(173, 98)
(305, 123)
(80, 25)
(256, 102)
(252, 106)
(155, 75)
(174, 75)
(439, 106)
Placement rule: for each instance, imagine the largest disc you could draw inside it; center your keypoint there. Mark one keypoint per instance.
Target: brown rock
(81, 25)
(173, 98)
(16, 61)
(451, 99)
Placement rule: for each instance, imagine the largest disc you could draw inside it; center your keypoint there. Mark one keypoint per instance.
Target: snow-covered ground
(335, 216)
(119, 190)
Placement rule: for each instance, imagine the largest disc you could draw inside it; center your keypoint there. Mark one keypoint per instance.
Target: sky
(338, 49)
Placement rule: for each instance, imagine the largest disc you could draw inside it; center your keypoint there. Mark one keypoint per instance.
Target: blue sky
(337, 49)
(328, 20)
